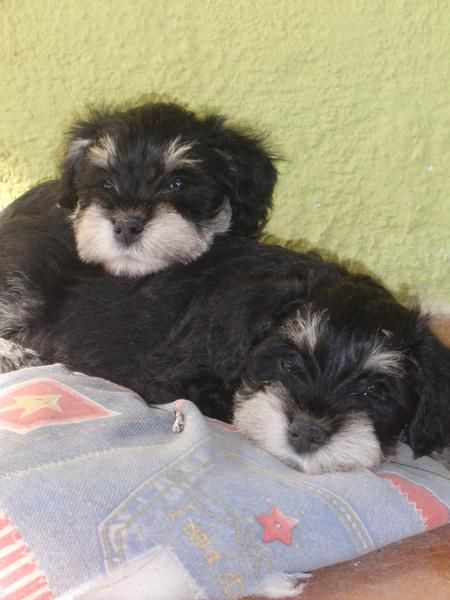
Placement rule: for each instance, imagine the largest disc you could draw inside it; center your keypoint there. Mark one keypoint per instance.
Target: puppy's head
(322, 400)
(333, 388)
(153, 186)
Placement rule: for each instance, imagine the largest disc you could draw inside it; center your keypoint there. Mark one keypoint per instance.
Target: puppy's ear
(430, 427)
(256, 310)
(248, 171)
(81, 137)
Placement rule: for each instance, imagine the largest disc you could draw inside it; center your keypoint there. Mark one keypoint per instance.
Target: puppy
(153, 186)
(320, 367)
(140, 190)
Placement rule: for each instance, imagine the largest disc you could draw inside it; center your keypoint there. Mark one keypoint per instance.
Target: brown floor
(417, 568)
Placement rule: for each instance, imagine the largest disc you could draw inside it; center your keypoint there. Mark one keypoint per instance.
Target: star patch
(277, 526)
(43, 402)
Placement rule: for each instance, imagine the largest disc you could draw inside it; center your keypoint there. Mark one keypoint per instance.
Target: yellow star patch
(31, 404)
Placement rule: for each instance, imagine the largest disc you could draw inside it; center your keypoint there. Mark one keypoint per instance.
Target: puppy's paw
(14, 357)
(281, 585)
(443, 457)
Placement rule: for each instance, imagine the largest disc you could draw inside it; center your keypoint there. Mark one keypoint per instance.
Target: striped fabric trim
(430, 509)
(20, 576)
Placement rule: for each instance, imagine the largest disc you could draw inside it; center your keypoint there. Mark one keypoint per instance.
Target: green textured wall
(355, 93)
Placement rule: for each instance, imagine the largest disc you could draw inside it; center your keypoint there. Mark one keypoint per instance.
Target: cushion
(102, 496)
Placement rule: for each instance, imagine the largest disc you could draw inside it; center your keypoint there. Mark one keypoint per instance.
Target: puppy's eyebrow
(384, 361)
(104, 152)
(175, 155)
(304, 329)
(77, 146)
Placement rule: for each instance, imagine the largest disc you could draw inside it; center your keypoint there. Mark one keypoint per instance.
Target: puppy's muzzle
(306, 437)
(128, 230)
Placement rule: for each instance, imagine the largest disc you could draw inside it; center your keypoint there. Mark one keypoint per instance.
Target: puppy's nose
(306, 437)
(127, 230)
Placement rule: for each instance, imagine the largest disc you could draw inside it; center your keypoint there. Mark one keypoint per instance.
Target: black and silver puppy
(140, 190)
(154, 185)
(321, 367)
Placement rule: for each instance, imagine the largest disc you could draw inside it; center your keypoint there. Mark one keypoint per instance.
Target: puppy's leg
(13, 356)
(20, 304)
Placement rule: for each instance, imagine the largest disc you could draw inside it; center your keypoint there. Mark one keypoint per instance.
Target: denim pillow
(98, 492)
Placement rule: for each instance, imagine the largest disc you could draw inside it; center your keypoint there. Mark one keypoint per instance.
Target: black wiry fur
(240, 322)
(140, 190)
(321, 367)
(159, 157)
(233, 164)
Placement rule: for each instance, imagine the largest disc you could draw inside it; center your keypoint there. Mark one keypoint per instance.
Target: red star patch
(277, 526)
(42, 402)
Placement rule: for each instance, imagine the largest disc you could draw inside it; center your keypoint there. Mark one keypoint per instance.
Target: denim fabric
(91, 479)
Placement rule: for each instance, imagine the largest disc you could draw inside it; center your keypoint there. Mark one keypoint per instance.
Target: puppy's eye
(178, 184)
(107, 185)
(287, 365)
(373, 389)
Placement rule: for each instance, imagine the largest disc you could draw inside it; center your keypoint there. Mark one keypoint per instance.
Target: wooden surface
(441, 327)
(417, 568)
